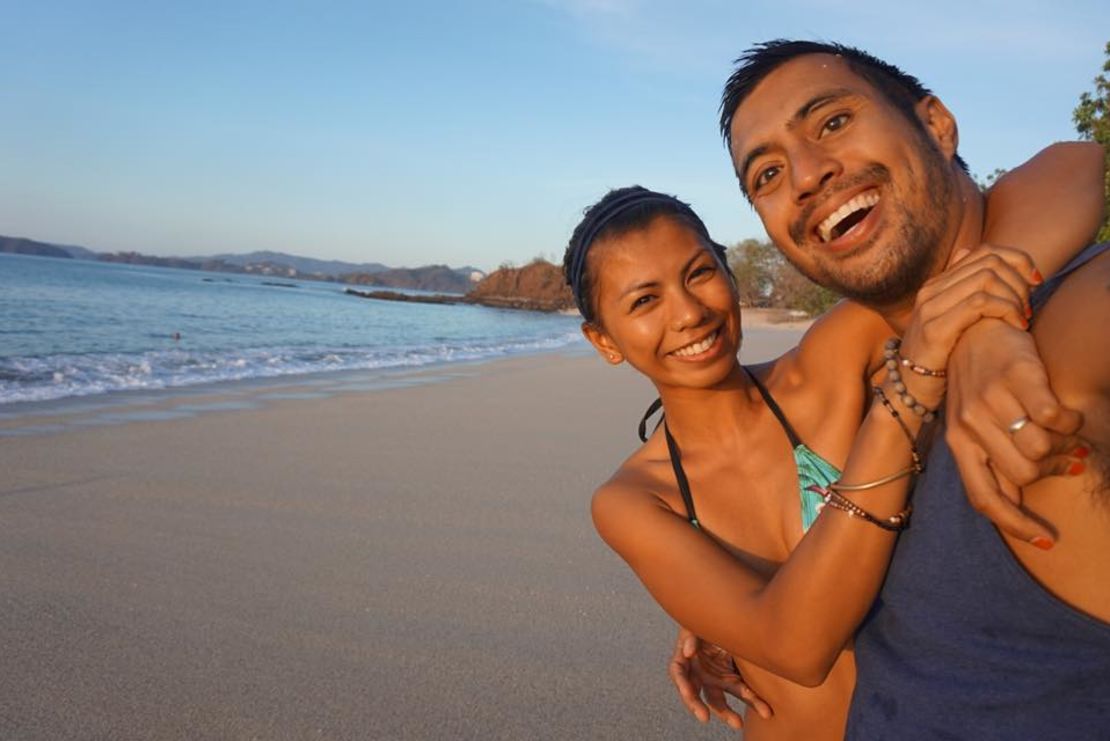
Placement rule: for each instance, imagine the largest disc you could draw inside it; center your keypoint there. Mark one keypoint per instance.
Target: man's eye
(835, 123)
(765, 176)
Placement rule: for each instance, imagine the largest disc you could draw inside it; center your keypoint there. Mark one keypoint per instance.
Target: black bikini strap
(680, 477)
(655, 407)
(795, 441)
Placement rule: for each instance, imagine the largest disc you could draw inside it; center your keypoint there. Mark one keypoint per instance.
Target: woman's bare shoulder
(641, 483)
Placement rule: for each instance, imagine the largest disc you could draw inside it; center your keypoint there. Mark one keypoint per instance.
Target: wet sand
(397, 557)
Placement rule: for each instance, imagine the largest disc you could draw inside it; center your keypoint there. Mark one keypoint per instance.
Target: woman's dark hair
(620, 212)
(900, 89)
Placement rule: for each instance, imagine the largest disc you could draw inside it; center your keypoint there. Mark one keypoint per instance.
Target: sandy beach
(388, 557)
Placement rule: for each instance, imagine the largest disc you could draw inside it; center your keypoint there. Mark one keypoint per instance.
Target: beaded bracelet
(917, 464)
(892, 350)
(894, 523)
(895, 376)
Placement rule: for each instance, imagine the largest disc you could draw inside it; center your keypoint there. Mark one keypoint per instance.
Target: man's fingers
(715, 697)
(679, 672)
(755, 702)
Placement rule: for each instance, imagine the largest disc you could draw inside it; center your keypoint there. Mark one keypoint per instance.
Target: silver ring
(1017, 424)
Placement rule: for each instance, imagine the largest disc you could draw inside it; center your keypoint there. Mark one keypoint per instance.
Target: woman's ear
(603, 343)
(940, 123)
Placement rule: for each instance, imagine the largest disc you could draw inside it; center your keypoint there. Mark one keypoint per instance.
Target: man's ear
(603, 343)
(940, 123)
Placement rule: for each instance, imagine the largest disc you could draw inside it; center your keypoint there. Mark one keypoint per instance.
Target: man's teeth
(863, 200)
(696, 348)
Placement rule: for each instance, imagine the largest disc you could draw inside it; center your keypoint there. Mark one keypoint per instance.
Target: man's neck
(965, 233)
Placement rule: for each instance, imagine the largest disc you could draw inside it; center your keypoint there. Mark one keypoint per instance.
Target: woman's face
(664, 304)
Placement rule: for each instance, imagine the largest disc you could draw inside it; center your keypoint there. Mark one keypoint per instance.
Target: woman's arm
(796, 624)
(1051, 207)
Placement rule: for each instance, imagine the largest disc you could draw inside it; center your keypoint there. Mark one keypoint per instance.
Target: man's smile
(847, 216)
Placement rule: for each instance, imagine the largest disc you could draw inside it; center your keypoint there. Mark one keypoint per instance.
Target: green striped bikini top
(812, 468)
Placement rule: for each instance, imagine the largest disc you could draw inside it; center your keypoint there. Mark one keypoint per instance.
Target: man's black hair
(902, 90)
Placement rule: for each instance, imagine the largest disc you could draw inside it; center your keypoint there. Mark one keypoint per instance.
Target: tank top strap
(795, 441)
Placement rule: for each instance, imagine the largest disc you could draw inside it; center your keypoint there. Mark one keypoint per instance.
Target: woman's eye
(835, 123)
(701, 271)
(640, 301)
(765, 176)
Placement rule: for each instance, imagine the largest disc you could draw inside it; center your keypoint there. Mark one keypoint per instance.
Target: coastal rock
(538, 286)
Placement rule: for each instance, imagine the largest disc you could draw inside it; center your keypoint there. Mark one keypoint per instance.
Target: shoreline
(406, 562)
(50, 416)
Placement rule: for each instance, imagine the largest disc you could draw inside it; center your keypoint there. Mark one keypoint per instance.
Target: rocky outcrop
(538, 286)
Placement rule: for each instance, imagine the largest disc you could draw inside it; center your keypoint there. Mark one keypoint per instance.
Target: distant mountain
(306, 265)
(430, 278)
(21, 246)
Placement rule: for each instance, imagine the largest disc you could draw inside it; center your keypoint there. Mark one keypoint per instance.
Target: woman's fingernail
(1037, 277)
(1081, 452)
(1028, 311)
(1042, 542)
(1077, 468)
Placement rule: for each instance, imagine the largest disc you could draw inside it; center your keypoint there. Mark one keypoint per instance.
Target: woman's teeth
(862, 201)
(696, 348)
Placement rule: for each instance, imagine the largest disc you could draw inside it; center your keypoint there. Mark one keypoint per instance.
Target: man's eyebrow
(817, 101)
(821, 99)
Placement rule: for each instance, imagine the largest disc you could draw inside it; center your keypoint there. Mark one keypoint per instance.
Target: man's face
(853, 193)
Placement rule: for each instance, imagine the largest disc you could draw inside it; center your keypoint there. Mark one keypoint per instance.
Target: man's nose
(811, 168)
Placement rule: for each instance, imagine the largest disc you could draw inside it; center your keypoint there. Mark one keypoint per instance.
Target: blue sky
(452, 132)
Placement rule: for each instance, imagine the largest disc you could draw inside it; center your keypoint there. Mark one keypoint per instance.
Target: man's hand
(704, 675)
(996, 381)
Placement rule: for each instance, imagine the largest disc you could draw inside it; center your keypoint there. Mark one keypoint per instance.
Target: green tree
(767, 280)
(1092, 121)
(754, 263)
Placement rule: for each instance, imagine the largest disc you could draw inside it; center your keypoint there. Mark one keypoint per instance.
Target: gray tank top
(963, 643)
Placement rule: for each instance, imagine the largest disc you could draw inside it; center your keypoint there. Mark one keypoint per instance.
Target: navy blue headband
(599, 219)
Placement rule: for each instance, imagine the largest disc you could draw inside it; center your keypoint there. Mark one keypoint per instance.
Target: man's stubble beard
(894, 273)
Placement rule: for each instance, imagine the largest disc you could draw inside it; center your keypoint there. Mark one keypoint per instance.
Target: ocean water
(73, 328)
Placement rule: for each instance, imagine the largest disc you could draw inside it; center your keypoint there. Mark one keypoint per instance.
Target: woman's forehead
(663, 247)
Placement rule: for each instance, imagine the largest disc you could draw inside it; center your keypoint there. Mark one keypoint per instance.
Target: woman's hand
(989, 282)
(704, 674)
(996, 383)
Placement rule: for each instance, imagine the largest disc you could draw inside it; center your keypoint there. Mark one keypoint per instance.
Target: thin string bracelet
(901, 423)
(893, 350)
(895, 523)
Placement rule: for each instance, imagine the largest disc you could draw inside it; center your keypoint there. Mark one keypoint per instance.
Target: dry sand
(345, 557)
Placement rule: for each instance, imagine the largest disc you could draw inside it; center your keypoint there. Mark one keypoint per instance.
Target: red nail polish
(1028, 311)
(1077, 468)
(1081, 452)
(1037, 277)
(1042, 542)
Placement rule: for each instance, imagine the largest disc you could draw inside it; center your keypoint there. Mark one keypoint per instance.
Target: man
(852, 167)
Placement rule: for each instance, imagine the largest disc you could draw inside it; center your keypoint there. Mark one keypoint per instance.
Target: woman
(711, 511)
